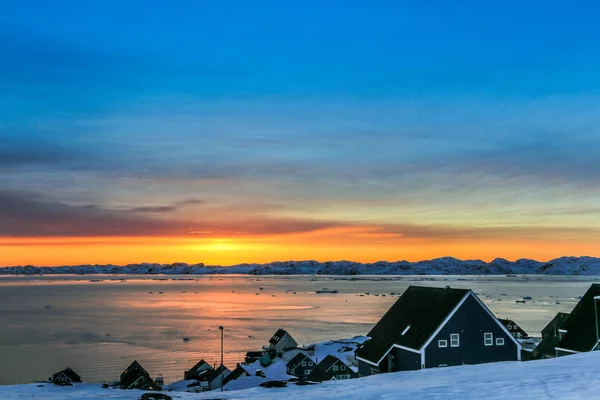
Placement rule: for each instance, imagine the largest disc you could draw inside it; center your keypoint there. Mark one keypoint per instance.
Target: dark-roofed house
(252, 356)
(330, 368)
(197, 370)
(300, 366)
(238, 372)
(550, 337)
(514, 329)
(216, 377)
(65, 376)
(436, 327)
(136, 377)
(580, 331)
(551, 330)
(280, 341)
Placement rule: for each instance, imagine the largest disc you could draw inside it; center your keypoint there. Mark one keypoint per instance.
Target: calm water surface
(98, 328)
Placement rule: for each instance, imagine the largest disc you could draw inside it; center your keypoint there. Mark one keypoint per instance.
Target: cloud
(23, 215)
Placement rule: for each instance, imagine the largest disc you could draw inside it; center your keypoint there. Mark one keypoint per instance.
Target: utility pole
(222, 368)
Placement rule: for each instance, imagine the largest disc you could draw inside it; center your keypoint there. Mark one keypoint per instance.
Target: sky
(234, 131)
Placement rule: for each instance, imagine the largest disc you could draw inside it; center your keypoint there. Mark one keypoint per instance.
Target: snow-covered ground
(438, 266)
(572, 377)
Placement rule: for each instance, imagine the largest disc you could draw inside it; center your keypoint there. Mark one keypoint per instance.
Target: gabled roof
(320, 373)
(215, 373)
(233, 375)
(69, 373)
(507, 322)
(200, 364)
(277, 336)
(134, 367)
(135, 376)
(554, 325)
(298, 358)
(412, 320)
(581, 323)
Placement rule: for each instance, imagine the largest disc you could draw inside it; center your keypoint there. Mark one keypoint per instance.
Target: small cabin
(281, 341)
(550, 337)
(430, 327)
(197, 370)
(331, 368)
(136, 377)
(64, 377)
(301, 366)
(514, 329)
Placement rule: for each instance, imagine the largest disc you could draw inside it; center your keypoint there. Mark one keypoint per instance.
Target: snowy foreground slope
(572, 377)
(438, 266)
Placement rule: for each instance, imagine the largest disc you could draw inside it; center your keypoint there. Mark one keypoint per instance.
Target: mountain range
(437, 266)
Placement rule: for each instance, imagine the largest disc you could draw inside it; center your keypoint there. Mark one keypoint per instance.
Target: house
(551, 330)
(580, 331)
(550, 337)
(238, 372)
(281, 341)
(290, 353)
(436, 327)
(301, 366)
(136, 377)
(514, 329)
(252, 356)
(331, 368)
(197, 370)
(215, 378)
(65, 376)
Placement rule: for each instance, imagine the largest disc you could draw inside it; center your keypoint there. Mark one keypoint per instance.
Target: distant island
(437, 266)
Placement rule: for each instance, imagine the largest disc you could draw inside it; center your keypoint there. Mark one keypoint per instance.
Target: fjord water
(99, 324)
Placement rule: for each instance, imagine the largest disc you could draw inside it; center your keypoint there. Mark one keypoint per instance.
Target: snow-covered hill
(566, 378)
(437, 266)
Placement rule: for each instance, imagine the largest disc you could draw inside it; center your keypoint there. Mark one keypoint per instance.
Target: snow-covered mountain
(437, 266)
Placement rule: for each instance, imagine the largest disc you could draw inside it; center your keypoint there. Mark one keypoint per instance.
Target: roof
(215, 373)
(254, 353)
(133, 367)
(507, 322)
(69, 373)
(581, 323)
(133, 373)
(554, 325)
(320, 371)
(298, 358)
(236, 373)
(277, 336)
(199, 364)
(418, 313)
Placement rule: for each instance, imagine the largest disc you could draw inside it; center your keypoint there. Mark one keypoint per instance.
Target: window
(310, 363)
(515, 327)
(307, 371)
(499, 341)
(442, 343)
(304, 363)
(454, 340)
(509, 327)
(335, 368)
(343, 367)
(488, 339)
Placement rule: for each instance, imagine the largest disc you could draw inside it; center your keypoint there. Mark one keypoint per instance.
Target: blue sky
(444, 116)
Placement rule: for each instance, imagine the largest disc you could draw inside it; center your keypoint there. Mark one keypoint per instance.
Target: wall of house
(365, 369)
(403, 360)
(300, 370)
(285, 342)
(471, 321)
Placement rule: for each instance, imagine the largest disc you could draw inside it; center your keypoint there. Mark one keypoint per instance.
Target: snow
(438, 266)
(572, 377)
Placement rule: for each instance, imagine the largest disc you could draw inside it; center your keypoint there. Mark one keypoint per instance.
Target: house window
(335, 368)
(514, 326)
(343, 367)
(310, 363)
(488, 339)
(454, 340)
(442, 343)
(509, 327)
(304, 363)
(307, 371)
(499, 341)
